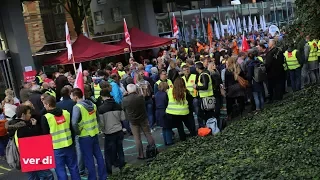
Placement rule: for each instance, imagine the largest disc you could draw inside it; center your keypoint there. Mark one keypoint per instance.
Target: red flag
(210, 33)
(79, 83)
(126, 32)
(245, 45)
(175, 27)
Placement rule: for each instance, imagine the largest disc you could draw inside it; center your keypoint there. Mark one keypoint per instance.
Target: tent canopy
(85, 49)
(143, 41)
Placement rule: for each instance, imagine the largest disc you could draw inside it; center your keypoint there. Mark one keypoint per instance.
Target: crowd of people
(183, 87)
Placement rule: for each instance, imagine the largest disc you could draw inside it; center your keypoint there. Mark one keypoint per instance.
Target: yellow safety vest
(121, 73)
(318, 53)
(88, 124)
(176, 108)
(40, 80)
(60, 129)
(313, 51)
(182, 64)
(16, 139)
(186, 50)
(292, 60)
(260, 58)
(168, 81)
(191, 81)
(51, 92)
(209, 91)
(96, 90)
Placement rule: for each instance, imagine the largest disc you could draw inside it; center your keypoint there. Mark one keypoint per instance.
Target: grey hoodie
(76, 114)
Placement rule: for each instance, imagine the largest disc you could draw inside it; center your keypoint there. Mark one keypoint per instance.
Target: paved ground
(129, 149)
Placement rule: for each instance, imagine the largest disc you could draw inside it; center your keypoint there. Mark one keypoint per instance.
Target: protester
(161, 99)
(57, 123)
(275, 72)
(111, 115)
(85, 125)
(235, 93)
(25, 126)
(60, 82)
(144, 89)
(137, 115)
(9, 108)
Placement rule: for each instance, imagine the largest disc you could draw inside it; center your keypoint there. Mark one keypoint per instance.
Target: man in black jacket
(27, 127)
(203, 116)
(275, 72)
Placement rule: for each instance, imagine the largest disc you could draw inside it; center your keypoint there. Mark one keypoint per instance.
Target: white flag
(261, 22)
(229, 24)
(249, 24)
(264, 23)
(255, 24)
(222, 29)
(239, 25)
(192, 32)
(216, 30)
(68, 43)
(244, 24)
(234, 27)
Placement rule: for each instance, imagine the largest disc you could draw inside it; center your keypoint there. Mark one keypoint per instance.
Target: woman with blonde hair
(10, 92)
(235, 93)
(9, 108)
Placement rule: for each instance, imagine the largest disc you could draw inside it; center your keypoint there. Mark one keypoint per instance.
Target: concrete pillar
(16, 37)
(146, 16)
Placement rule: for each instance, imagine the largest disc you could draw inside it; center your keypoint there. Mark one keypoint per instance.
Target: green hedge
(282, 142)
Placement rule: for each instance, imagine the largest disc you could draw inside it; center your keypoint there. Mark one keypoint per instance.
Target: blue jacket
(256, 86)
(116, 92)
(66, 104)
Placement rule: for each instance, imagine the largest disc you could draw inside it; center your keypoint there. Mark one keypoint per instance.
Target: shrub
(282, 142)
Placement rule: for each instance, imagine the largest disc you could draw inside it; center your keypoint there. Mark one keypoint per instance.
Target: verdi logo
(46, 160)
(36, 153)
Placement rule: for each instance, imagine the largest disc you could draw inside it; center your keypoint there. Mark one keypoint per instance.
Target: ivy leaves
(282, 142)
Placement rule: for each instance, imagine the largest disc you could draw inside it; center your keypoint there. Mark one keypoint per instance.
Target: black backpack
(151, 151)
(259, 72)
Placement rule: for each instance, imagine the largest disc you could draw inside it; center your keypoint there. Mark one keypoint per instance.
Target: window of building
(116, 14)
(98, 18)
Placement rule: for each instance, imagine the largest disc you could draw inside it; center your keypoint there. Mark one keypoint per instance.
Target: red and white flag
(68, 43)
(175, 27)
(126, 32)
(79, 83)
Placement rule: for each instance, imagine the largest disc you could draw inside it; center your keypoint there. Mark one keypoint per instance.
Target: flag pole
(74, 65)
(131, 55)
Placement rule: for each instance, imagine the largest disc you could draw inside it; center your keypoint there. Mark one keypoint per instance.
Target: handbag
(208, 103)
(242, 82)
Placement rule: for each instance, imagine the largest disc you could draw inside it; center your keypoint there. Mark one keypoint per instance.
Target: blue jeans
(90, 148)
(3, 144)
(79, 156)
(295, 77)
(66, 156)
(258, 99)
(167, 136)
(113, 150)
(149, 108)
(40, 175)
